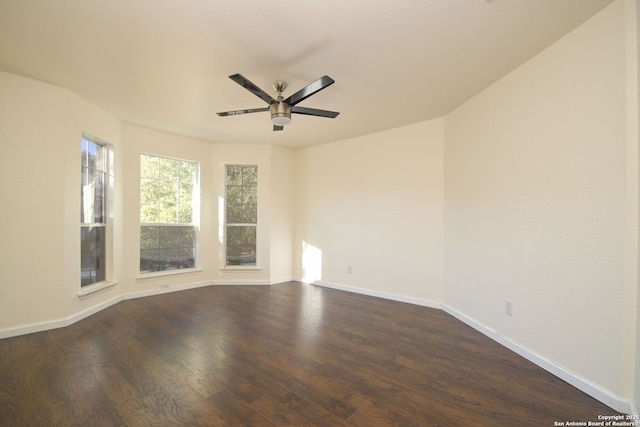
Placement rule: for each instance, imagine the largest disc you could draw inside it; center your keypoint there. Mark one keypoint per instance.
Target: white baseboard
(380, 294)
(227, 282)
(281, 280)
(594, 390)
(67, 321)
(183, 287)
(164, 289)
(58, 323)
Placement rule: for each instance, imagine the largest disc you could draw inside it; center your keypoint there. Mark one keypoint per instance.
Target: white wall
(527, 192)
(85, 118)
(259, 155)
(536, 187)
(374, 203)
(274, 209)
(42, 126)
(139, 140)
(40, 138)
(281, 238)
(633, 105)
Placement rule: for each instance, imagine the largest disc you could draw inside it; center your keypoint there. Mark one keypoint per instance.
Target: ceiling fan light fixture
(280, 113)
(280, 120)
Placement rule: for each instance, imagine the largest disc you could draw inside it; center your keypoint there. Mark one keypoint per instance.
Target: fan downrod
(280, 86)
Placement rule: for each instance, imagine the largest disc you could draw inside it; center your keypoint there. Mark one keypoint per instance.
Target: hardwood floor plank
(282, 355)
(236, 412)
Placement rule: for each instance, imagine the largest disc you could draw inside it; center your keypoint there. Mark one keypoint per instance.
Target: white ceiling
(165, 63)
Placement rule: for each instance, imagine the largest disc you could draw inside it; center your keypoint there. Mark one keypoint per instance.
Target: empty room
(295, 213)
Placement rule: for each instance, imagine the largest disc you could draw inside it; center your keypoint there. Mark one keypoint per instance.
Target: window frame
(255, 264)
(194, 224)
(106, 247)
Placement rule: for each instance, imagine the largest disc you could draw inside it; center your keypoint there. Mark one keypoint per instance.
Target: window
(168, 214)
(93, 211)
(241, 215)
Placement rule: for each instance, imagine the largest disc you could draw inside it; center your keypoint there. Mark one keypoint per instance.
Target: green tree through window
(241, 214)
(168, 224)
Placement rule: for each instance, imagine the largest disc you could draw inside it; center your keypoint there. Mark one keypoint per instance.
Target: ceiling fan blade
(314, 112)
(276, 127)
(245, 111)
(309, 90)
(242, 81)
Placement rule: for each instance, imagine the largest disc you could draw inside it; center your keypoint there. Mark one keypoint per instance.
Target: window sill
(158, 274)
(240, 267)
(94, 289)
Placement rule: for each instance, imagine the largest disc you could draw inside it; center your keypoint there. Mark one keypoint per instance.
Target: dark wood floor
(285, 355)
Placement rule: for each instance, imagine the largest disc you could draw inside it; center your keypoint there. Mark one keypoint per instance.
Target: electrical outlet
(349, 269)
(508, 307)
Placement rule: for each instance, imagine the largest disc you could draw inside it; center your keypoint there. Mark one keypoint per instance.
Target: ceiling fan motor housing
(280, 113)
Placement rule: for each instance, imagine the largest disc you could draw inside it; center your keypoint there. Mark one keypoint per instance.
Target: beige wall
(374, 203)
(259, 155)
(536, 200)
(527, 192)
(281, 229)
(39, 180)
(274, 214)
(39, 171)
(633, 147)
(139, 140)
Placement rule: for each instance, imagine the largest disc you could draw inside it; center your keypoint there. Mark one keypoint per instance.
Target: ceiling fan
(280, 108)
